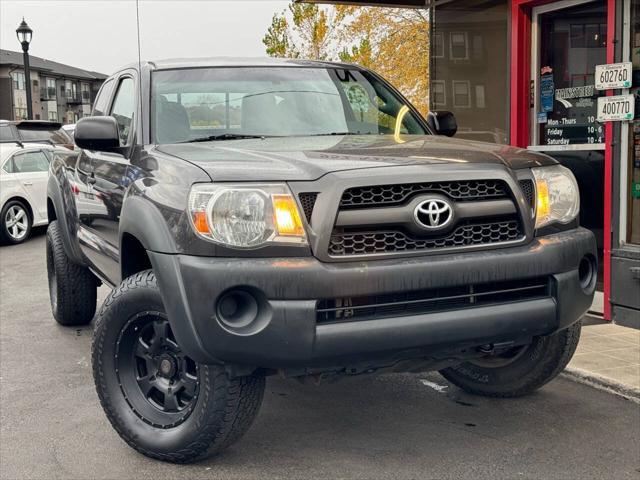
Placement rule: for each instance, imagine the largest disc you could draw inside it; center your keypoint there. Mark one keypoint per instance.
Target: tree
(391, 41)
(305, 30)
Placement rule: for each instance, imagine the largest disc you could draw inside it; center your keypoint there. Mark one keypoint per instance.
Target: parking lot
(395, 426)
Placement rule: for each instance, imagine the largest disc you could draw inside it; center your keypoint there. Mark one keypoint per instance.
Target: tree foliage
(391, 41)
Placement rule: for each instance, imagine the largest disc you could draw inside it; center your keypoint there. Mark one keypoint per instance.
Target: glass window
(439, 93)
(477, 31)
(572, 43)
(459, 46)
(52, 116)
(461, 94)
(21, 113)
(633, 167)
(6, 133)
(18, 80)
(438, 45)
(58, 137)
(29, 162)
(86, 92)
(123, 109)
(102, 100)
(274, 101)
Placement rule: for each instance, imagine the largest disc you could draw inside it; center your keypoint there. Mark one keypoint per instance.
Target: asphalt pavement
(391, 426)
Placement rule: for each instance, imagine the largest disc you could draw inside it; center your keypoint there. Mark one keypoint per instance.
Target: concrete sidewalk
(608, 356)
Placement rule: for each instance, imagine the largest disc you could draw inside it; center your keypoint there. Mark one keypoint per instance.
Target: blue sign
(547, 91)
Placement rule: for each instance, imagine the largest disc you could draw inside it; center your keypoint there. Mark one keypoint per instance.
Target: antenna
(139, 67)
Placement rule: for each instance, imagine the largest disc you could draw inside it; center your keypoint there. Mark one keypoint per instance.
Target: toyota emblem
(433, 214)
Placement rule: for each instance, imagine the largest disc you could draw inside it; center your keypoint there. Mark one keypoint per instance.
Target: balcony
(76, 98)
(73, 98)
(47, 93)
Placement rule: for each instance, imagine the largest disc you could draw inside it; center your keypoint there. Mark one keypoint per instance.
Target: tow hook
(495, 348)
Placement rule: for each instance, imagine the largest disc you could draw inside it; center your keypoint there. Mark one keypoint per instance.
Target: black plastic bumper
(288, 336)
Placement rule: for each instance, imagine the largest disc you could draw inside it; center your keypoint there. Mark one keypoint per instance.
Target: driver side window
(123, 110)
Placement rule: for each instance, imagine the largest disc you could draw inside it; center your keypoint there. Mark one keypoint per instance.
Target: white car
(24, 173)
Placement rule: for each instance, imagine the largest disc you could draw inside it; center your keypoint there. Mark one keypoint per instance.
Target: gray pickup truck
(261, 217)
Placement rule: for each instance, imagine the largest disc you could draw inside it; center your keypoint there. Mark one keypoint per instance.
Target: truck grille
(308, 201)
(363, 243)
(429, 301)
(386, 195)
(494, 219)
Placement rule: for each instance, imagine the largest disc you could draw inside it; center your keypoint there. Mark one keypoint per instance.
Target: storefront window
(572, 43)
(633, 172)
(470, 67)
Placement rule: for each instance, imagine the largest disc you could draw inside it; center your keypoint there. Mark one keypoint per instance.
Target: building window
(18, 80)
(439, 93)
(50, 86)
(480, 103)
(461, 94)
(53, 116)
(70, 89)
(438, 45)
(459, 46)
(21, 113)
(86, 92)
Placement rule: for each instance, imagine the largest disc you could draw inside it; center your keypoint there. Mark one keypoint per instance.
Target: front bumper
(288, 335)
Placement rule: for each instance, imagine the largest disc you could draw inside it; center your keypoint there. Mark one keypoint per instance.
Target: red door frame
(520, 80)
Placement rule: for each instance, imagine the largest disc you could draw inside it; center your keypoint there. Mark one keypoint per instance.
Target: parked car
(35, 131)
(302, 219)
(23, 188)
(69, 128)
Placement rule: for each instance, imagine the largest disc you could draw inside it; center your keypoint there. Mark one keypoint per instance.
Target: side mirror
(97, 133)
(443, 123)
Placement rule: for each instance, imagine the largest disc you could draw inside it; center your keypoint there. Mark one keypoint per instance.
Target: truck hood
(309, 158)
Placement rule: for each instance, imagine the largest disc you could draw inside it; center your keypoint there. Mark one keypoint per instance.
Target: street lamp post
(24, 34)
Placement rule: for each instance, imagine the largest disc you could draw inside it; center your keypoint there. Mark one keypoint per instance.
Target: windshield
(221, 103)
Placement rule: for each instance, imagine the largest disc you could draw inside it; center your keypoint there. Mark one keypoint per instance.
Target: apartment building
(59, 92)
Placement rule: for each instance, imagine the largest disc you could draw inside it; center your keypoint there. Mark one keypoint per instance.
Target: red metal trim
(608, 168)
(520, 70)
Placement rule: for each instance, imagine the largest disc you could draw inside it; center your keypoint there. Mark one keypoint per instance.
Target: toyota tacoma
(262, 217)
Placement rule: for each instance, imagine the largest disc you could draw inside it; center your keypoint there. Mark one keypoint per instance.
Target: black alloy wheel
(157, 379)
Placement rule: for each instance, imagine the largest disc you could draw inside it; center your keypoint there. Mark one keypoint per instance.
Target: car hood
(309, 158)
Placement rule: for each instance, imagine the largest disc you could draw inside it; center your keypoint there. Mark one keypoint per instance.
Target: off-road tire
(221, 413)
(540, 363)
(5, 237)
(72, 287)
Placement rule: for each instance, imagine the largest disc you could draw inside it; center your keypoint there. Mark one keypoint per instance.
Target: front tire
(73, 289)
(519, 371)
(15, 223)
(162, 403)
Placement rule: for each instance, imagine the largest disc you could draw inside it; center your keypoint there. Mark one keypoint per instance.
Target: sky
(101, 35)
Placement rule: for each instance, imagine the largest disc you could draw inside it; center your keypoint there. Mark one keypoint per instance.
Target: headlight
(557, 195)
(245, 216)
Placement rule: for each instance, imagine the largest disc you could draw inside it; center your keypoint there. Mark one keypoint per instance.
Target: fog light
(588, 273)
(237, 309)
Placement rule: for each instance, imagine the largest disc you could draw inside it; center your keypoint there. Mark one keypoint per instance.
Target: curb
(602, 383)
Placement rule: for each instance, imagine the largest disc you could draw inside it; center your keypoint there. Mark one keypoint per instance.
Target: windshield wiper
(223, 136)
(335, 133)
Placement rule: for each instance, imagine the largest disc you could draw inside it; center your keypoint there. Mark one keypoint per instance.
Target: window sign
(613, 75)
(547, 89)
(616, 108)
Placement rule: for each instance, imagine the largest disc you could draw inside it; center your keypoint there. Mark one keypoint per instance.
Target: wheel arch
(56, 211)
(22, 200)
(142, 229)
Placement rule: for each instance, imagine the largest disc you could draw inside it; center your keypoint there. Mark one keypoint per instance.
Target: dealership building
(523, 73)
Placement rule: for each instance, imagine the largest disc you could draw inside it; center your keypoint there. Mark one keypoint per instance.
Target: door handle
(28, 184)
(635, 273)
